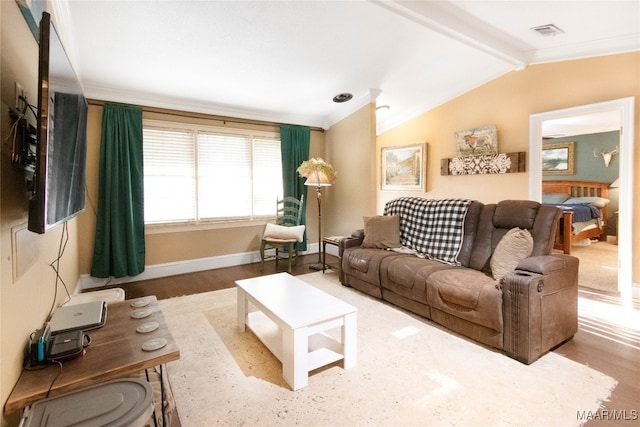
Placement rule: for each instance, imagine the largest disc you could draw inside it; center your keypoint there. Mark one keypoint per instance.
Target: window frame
(209, 223)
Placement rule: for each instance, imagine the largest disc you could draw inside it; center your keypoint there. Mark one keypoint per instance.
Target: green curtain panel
(119, 248)
(294, 146)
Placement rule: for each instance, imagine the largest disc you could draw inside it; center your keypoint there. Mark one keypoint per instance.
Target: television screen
(59, 181)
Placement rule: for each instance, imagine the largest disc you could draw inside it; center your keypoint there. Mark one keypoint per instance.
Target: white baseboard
(194, 265)
(180, 267)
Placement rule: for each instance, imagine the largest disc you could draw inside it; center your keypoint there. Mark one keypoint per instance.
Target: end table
(335, 241)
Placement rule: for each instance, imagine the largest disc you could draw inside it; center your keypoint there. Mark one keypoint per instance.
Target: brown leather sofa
(525, 313)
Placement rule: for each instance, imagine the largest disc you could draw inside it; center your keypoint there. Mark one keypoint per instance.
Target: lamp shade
(615, 184)
(318, 178)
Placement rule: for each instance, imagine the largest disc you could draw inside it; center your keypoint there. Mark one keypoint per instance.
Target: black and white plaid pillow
(432, 228)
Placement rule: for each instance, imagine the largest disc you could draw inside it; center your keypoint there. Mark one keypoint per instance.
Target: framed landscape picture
(558, 159)
(403, 167)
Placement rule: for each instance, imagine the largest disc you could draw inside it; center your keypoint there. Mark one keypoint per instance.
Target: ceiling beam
(454, 23)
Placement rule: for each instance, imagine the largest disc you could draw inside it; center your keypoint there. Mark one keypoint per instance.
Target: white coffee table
(292, 320)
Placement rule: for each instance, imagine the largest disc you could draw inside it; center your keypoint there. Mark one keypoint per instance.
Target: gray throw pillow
(514, 246)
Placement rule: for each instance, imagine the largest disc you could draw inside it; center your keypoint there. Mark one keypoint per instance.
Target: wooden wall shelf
(485, 164)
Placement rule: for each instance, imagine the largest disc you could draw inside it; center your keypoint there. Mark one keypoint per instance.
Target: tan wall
(178, 246)
(27, 282)
(351, 151)
(507, 103)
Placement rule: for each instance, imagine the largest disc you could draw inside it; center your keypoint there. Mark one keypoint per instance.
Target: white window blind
(169, 175)
(224, 176)
(206, 174)
(267, 176)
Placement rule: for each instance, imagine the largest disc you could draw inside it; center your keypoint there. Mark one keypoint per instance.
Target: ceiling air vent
(548, 30)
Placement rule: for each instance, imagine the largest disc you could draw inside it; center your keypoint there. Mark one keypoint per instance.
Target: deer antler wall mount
(606, 155)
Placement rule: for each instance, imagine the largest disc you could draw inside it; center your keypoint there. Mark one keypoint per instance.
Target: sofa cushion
(467, 294)
(366, 261)
(464, 294)
(470, 231)
(407, 276)
(362, 267)
(381, 232)
(514, 246)
(515, 213)
(497, 219)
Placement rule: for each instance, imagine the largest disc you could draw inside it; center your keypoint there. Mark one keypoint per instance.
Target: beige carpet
(409, 373)
(598, 265)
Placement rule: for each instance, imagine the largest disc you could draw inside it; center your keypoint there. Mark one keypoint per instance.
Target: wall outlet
(20, 97)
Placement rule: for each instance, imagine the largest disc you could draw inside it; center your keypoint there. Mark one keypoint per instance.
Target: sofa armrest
(541, 264)
(540, 305)
(356, 239)
(558, 271)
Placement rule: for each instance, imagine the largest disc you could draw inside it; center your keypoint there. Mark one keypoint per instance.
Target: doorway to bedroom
(580, 174)
(586, 120)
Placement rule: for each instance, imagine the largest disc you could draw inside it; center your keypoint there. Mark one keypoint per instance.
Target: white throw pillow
(514, 246)
(275, 231)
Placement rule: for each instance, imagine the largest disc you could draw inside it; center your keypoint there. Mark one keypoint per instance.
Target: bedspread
(582, 212)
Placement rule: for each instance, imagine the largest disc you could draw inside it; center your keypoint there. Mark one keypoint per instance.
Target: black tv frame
(60, 170)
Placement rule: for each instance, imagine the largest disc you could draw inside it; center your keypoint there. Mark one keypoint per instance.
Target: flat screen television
(61, 147)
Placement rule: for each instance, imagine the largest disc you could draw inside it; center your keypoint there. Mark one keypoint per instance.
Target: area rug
(410, 372)
(598, 266)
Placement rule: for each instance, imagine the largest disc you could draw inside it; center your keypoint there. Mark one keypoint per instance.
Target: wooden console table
(115, 352)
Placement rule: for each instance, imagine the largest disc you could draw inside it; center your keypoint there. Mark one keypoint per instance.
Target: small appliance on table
(292, 320)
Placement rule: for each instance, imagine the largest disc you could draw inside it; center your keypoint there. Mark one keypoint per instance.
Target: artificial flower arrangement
(317, 166)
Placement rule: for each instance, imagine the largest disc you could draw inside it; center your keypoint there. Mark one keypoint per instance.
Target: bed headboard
(577, 188)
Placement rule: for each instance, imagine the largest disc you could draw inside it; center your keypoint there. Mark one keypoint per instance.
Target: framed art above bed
(558, 159)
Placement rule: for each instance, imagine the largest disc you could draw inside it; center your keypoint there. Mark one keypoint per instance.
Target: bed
(584, 210)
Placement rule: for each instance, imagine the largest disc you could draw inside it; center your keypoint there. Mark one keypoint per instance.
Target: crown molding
(105, 93)
(610, 46)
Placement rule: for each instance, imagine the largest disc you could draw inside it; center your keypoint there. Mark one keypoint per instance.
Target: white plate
(154, 344)
(141, 314)
(140, 302)
(145, 328)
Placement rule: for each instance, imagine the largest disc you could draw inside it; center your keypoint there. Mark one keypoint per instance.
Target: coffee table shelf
(323, 349)
(292, 321)
(267, 332)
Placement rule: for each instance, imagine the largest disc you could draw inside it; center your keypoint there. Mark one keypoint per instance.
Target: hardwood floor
(211, 280)
(608, 340)
(609, 343)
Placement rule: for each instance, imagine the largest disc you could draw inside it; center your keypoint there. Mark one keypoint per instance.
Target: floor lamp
(318, 179)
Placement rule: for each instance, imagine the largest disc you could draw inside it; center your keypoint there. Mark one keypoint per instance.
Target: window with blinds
(198, 174)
